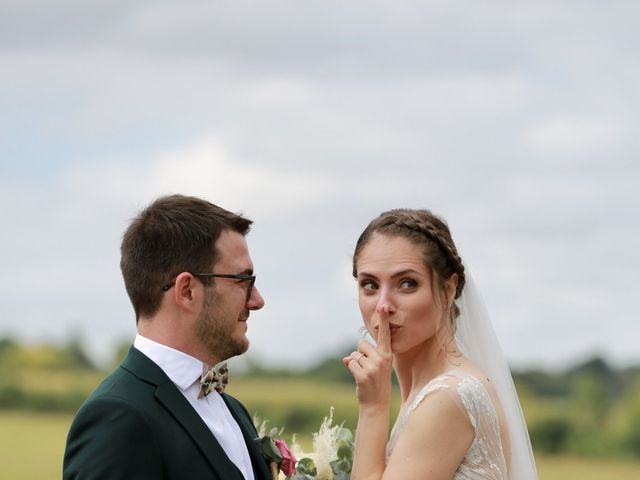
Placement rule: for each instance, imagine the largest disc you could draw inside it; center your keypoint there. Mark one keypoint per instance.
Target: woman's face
(391, 271)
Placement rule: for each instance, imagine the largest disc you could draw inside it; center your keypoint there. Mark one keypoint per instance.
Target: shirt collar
(183, 370)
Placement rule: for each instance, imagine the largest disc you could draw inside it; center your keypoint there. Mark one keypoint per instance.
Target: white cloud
(203, 168)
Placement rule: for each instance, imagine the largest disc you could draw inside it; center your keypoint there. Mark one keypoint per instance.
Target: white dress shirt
(184, 371)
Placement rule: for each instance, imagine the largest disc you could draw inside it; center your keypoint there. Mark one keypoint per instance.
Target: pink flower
(288, 463)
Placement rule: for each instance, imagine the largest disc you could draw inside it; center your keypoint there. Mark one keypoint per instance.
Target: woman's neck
(416, 367)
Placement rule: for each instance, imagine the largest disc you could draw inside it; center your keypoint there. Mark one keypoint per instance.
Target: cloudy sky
(516, 121)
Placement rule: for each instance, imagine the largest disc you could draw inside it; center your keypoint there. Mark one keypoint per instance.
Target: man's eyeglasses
(238, 276)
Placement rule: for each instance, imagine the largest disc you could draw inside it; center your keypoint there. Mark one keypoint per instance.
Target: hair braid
(440, 237)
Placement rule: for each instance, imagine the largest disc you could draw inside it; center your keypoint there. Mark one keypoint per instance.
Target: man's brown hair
(174, 234)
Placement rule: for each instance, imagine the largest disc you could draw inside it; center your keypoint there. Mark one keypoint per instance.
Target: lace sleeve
(485, 457)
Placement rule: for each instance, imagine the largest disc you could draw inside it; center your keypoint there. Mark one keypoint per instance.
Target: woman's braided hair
(427, 231)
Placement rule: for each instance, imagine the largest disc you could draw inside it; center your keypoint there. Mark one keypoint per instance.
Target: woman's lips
(392, 327)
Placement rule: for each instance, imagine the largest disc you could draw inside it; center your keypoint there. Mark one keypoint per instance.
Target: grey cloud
(517, 122)
(312, 38)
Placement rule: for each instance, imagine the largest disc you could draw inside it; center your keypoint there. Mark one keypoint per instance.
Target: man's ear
(184, 291)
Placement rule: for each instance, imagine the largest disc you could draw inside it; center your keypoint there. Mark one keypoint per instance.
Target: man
(188, 273)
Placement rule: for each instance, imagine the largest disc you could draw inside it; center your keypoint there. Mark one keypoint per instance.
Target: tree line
(591, 408)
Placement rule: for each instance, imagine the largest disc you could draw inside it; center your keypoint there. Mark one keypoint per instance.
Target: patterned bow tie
(213, 378)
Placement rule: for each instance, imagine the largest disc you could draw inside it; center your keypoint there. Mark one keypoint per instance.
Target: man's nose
(255, 301)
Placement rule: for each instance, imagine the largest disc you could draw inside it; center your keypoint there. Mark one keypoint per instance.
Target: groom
(188, 273)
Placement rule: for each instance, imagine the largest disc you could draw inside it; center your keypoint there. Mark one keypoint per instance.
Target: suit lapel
(241, 416)
(170, 397)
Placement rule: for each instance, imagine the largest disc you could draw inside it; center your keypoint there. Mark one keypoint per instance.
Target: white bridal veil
(478, 342)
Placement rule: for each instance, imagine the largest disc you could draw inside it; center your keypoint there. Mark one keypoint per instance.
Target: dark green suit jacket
(137, 425)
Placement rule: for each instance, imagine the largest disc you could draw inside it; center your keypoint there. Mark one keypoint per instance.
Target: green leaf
(342, 476)
(344, 435)
(306, 466)
(269, 449)
(345, 452)
(340, 466)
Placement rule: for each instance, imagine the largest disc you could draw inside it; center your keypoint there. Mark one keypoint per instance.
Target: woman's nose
(385, 303)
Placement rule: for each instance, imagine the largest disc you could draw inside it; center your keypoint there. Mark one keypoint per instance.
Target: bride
(460, 417)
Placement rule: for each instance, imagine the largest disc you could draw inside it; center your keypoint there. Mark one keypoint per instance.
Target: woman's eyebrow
(395, 275)
(404, 272)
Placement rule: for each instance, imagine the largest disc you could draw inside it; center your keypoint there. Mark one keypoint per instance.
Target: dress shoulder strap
(446, 381)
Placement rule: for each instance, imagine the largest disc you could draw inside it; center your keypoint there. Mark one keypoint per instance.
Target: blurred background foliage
(590, 410)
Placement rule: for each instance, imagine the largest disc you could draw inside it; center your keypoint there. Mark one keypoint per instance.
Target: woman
(460, 417)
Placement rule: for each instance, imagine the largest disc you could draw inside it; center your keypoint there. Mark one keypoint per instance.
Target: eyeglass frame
(237, 276)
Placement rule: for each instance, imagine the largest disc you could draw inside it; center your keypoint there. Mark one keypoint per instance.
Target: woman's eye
(368, 285)
(407, 284)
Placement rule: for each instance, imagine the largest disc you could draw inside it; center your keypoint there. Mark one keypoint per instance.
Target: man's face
(222, 324)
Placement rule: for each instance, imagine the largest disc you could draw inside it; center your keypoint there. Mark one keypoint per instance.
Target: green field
(32, 444)
(32, 434)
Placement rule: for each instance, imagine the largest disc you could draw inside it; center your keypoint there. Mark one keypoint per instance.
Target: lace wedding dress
(484, 459)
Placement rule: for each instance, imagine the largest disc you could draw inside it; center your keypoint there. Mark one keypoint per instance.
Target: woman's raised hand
(371, 366)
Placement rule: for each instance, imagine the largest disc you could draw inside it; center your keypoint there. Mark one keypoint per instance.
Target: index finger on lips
(384, 333)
